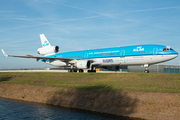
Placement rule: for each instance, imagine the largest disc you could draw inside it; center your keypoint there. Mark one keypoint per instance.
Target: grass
(158, 82)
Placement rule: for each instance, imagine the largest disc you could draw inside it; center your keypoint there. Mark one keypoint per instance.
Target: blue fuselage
(127, 51)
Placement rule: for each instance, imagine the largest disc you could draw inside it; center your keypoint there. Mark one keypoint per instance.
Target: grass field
(158, 82)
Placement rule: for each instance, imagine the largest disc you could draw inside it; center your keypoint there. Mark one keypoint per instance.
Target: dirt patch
(147, 105)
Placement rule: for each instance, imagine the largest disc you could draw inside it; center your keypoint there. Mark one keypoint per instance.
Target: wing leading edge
(38, 58)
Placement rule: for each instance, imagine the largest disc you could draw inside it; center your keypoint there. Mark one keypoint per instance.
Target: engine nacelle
(58, 63)
(48, 50)
(83, 64)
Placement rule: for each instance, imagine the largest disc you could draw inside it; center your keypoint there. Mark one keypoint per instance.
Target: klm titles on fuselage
(107, 60)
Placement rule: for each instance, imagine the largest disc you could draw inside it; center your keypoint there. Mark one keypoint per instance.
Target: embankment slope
(152, 96)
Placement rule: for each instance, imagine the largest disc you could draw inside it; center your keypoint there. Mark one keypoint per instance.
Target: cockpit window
(167, 49)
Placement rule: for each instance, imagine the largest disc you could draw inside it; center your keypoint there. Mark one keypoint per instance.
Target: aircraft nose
(176, 54)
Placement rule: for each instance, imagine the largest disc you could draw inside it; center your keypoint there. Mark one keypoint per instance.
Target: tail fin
(44, 41)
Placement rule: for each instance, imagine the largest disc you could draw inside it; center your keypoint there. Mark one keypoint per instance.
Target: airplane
(145, 55)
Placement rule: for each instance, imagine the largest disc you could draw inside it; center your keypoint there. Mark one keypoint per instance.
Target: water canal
(20, 110)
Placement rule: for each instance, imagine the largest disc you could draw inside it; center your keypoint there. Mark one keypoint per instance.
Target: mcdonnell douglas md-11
(145, 55)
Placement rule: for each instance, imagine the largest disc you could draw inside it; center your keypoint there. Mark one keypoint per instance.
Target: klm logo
(45, 44)
(138, 49)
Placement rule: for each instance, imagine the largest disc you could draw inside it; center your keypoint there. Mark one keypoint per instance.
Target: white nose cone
(174, 56)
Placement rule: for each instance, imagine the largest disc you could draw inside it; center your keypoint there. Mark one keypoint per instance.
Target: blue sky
(85, 24)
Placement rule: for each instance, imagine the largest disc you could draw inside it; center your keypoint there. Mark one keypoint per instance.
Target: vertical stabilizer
(44, 41)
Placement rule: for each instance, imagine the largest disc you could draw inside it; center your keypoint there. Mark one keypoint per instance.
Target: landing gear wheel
(81, 70)
(146, 71)
(91, 70)
(71, 70)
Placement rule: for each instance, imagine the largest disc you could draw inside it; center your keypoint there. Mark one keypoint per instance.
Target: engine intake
(83, 64)
(48, 50)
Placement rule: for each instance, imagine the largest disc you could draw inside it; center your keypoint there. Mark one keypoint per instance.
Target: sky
(85, 24)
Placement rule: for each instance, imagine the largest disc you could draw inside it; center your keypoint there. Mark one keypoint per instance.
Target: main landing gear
(72, 70)
(93, 69)
(81, 70)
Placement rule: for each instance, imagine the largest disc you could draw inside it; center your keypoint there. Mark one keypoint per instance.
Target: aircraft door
(86, 56)
(155, 51)
(122, 54)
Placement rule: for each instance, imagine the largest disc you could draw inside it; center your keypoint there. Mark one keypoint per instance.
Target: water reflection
(18, 110)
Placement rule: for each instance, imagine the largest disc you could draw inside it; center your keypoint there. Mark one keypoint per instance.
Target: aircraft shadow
(100, 98)
(6, 78)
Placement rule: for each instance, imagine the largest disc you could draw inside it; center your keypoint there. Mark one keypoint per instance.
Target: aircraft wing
(38, 58)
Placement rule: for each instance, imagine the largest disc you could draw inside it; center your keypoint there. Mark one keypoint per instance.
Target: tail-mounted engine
(48, 50)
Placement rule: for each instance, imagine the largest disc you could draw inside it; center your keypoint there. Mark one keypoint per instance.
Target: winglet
(4, 53)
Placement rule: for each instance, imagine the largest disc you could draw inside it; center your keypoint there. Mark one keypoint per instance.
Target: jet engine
(83, 64)
(48, 50)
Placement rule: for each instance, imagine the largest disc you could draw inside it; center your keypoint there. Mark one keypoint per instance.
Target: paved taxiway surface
(55, 71)
(34, 71)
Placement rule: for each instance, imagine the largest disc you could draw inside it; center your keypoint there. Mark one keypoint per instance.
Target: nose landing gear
(146, 68)
(146, 71)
